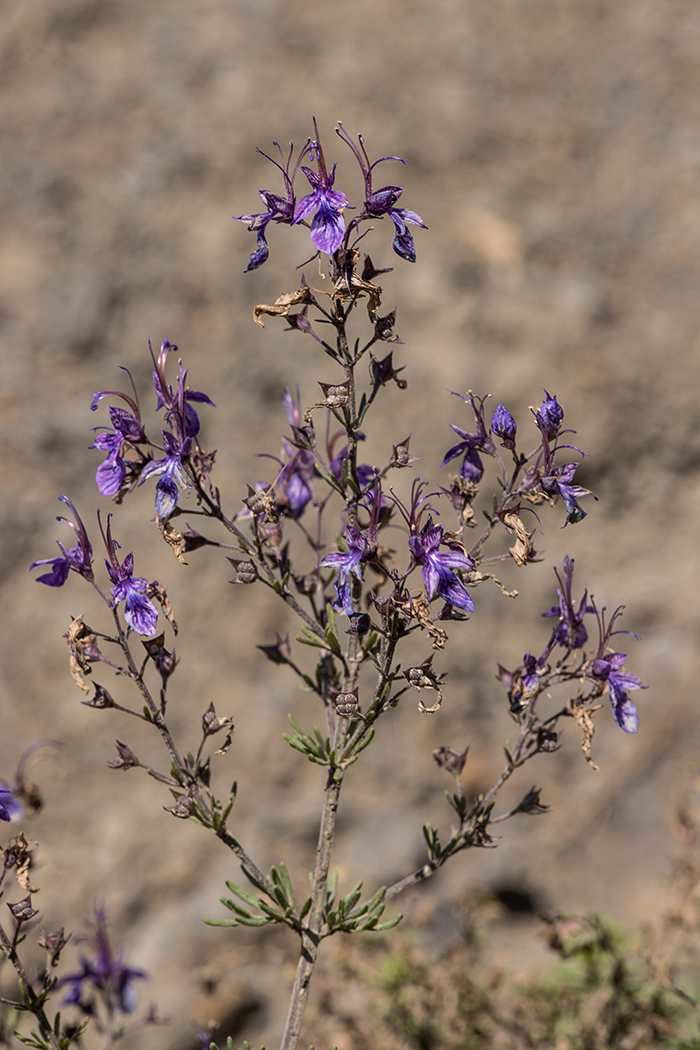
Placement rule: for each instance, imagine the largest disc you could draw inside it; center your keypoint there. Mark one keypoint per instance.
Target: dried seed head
(346, 704)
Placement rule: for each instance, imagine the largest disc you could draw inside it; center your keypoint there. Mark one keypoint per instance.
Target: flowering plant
(358, 631)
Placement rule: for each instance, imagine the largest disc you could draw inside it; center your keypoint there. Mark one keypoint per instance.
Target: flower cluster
(603, 669)
(118, 473)
(140, 612)
(322, 209)
(536, 476)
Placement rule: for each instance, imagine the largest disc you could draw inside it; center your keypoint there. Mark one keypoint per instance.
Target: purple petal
(453, 591)
(166, 495)
(59, 574)
(410, 216)
(110, 475)
(305, 206)
(140, 613)
(623, 709)
(327, 229)
(10, 809)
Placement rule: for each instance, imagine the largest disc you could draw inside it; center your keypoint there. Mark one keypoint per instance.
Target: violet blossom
(104, 976)
(170, 470)
(383, 201)
(139, 611)
(607, 668)
(327, 225)
(362, 548)
(127, 429)
(569, 630)
(559, 482)
(279, 209)
(472, 468)
(180, 413)
(10, 808)
(437, 568)
(78, 558)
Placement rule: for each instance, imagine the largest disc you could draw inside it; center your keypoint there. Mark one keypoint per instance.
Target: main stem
(311, 932)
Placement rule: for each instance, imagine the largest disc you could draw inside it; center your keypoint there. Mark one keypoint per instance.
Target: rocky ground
(554, 153)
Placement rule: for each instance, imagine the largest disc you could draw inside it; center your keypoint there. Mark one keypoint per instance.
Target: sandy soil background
(554, 153)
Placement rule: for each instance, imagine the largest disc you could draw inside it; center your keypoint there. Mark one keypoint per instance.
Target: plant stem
(311, 932)
(33, 1007)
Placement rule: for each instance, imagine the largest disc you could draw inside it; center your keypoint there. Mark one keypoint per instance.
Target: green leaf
(309, 637)
(305, 908)
(228, 805)
(287, 883)
(244, 895)
(280, 888)
(331, 889)
(253, 878)
(349, 902)
(388, 925)
(365, 742)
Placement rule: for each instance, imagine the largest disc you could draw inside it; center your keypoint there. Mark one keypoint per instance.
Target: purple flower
(383, 201)
(279, 209)
(472, 466)
(607, 667)
(127, 428)
(569, 630)
(361, 548)
(503, 426)
(533, 668)
(78, 558)
(327, 225)
(558, 482)
(139, 611)
(437, 568)
(105, 976)
(180, 413)
(549, 416)
(170, 470)
(10, 809)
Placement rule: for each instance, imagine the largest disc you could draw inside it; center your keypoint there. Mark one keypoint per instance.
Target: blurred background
(554, 153)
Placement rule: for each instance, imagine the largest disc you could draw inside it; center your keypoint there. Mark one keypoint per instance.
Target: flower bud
(503, 426)
(549, 416)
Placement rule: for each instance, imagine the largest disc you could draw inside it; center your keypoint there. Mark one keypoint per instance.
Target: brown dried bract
(522, 549)
(174, 539)
(582, 717)
(157, 590)
(417, 605)
(18, 855)
(476, 576)
(82, 643)
(283, 304)
(350, 286)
